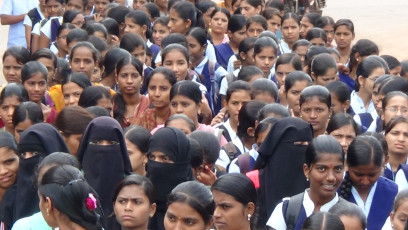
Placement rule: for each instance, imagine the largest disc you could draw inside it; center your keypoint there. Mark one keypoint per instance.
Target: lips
(219, 224)
(6, 179)
(127, 217)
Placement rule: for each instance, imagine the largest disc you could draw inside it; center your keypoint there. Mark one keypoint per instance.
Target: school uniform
(235, 166)
(378, 204)
(399, 176)
(230, 66)
(224, 160)
(228, 132)
(284, 47)
(277, 219)
(366, 118)
(345, 78)
(223, 53)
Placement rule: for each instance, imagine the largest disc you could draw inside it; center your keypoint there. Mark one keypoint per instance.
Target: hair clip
(90, 202)
(74, 181)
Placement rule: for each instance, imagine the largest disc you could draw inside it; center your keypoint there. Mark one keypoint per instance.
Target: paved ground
(384, 22)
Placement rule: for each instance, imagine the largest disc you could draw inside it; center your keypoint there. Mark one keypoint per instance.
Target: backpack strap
(231, 150)
(244, 163)
(293, 209)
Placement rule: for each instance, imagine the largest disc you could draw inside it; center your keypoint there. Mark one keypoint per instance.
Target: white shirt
(277, 220)
(230, 66)
(284, 47)
(387, 225)
(223, 159)
(27, 20)
(224, 82)
(357, 104)
(46, 29)
(218, 72)
(16, 35)
(210, 51)
(365, 207)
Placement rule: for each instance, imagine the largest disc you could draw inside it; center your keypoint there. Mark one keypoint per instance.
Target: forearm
(7, 19)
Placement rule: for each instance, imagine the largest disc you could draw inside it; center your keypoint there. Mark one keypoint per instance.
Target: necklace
(133, 115)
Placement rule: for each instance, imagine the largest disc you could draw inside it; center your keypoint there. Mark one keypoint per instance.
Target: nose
(330, 176)
(179, 109)
(313, 114)
(36, 87)
(343, 142)
(364, 181)
(71, 100)
(129, 80)
(128, 206)
(217, 213)
(10, 111)
(398, 112)
(3, 170)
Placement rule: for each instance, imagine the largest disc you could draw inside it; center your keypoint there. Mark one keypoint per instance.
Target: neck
(217, 37)
(344, 54)
(161, 114)
(318, 132)
(248, 142)
(196, 61)
(365, 97)
(62, 54)
(131, 99)
(142, 227)
(9, 129)
(396, 159)
(290, 45)
(64, 223)
(234, 47)
(318, 201)
(2, 191)
(353, 72)
(108, 81)
(234, 125)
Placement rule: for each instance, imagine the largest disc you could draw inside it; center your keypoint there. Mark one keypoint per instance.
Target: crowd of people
(177, 114)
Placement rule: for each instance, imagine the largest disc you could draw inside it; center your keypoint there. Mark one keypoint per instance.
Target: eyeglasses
(394, 109)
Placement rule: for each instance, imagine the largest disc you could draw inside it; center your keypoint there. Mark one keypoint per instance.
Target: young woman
(397, 142)
(238, 92)
(315, 108)
(138, 22)
(182, 122)
(133, 202)
(327, 24)
(236, 34)
(393, 64)
(363, 184)
(285, 64)
(189, 200)
(137, 140)
(9, 161)
(323, 221)
(129, 103)
(112, 57)
(61, 191)
(279, 155)
(169, 154)
(350, 215)
(11, 96)
(290, 32)
(250, 8)
(323, 69)
(295, 82)
(46, 32)
(37, 142)
(25, 115)
(13, 60)
(210, 71)
(96, 96)
(397, 218)
(237, 192)
(394, 104)
(361, 99)
(70, 129)
(73, 86)
(324, 167)
(160, 29)
(265, 53)
(32, 17)
(84, 58)
(103, 140)
(317, 37)
(159, 83)
(343, 36)
(308, 22)
(340, 97)
(255, 26)
(34, 79)
(301, 47)
(274, 19)
(219, 26)
(343, 127)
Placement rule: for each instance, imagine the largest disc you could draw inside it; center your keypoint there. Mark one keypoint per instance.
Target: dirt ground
(384, 22)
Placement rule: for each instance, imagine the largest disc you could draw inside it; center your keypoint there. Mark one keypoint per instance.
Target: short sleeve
(27, 21)
(223, 160)
(36, 29)
(46, 29)
(224, 86)
(276, 220)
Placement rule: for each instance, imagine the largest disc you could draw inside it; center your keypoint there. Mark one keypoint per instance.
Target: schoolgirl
(393, 64)
(159, 83)
(274, 19)
(34, 79)
(295, 82)
(256, 25)
(265, 90)
(236, 34)
(397, 142)
(285, 64)
(133, 202)
(250, 8)
(46, 31)
(323, 167)
(219, 26)
(308, 22)
(168, 154)
(189, 200)
(137, 139)
(315, 108)
(25, 115)
(323, 69)
(96, 96)
(317, 37)
(343, 36)
(160, 30)
(72, 88)
(361, 101)
(265, 53)
(363, 184)
(340, 97)
(138, 22)
(350, 215)
(13, 60)
(112, 57)
(182, 122)
(290, 32)
(49, 60)
(301, 47)
(128, 103)
(9, 161)
(83, 58)
(32, 17)
(397, 218)
(343, 127)
(210, 71)
(10, 97)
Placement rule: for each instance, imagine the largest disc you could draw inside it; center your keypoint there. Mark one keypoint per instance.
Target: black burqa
(21, 200)
(280, 164)
(104, 166)
(165, 176)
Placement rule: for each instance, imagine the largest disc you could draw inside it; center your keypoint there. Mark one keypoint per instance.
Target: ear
(251, 131)
(346, 104)
(188, 23)
(306, 171)
(357, 57)
(199, 105)
(204, 47)
(48, 205)
(259, 9)
(229, 33)
(152, 210)
(144, 29)
(242, 55)
(145, 159)
(313, 75)
(250, 208)
(256, 123)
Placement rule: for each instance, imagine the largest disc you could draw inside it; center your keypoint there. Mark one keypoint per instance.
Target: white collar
(367, 205)
(310, 206)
